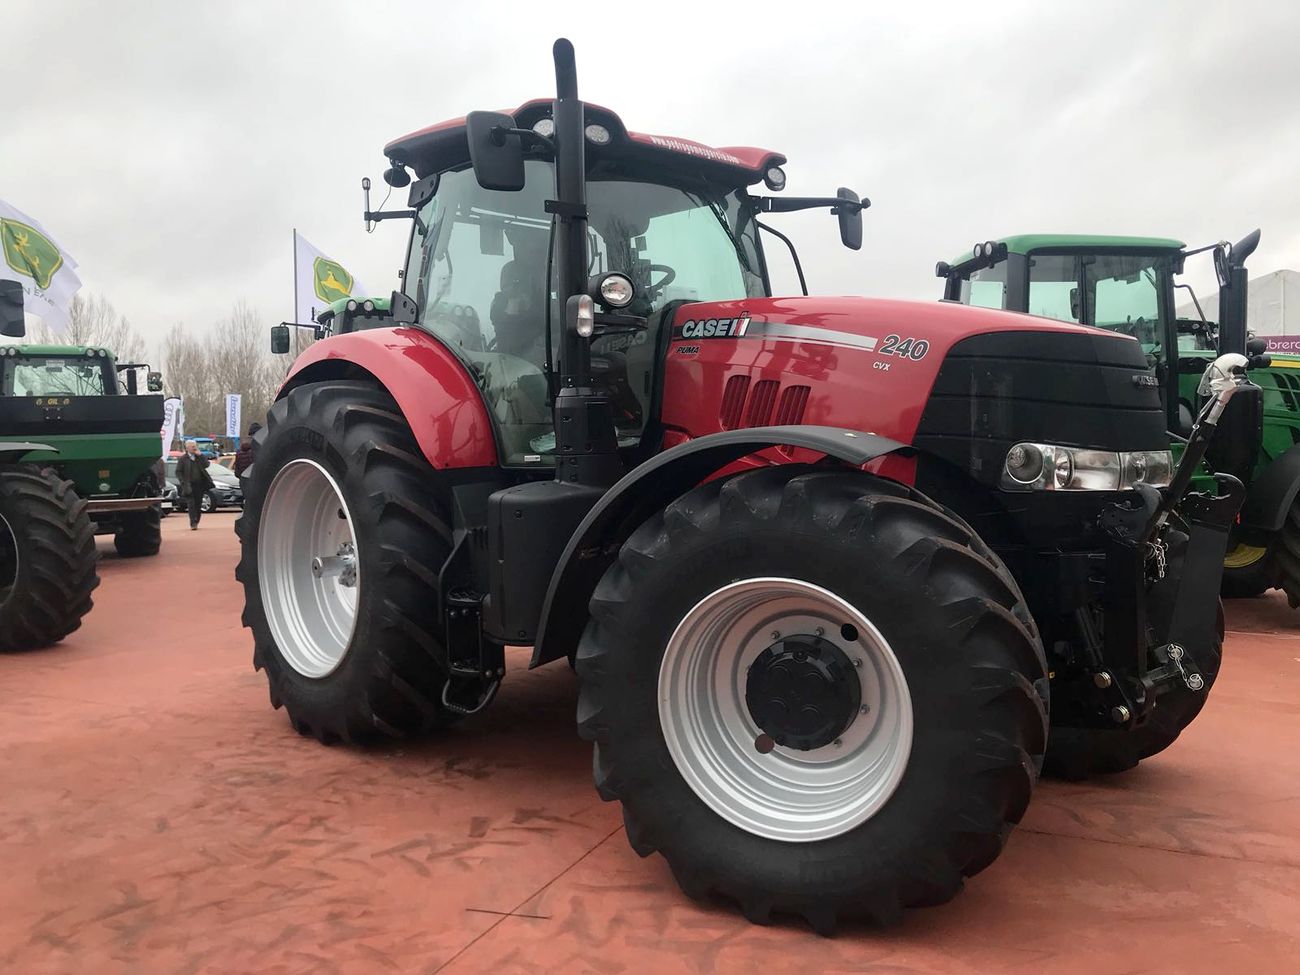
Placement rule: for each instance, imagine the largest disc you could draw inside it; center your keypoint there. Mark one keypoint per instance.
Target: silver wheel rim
(785, 794)
(307, 568)
(205, 503)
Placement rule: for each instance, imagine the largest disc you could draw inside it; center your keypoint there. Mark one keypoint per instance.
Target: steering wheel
(669, 276)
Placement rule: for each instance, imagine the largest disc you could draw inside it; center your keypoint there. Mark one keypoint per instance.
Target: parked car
(225, 493)
(227, 461)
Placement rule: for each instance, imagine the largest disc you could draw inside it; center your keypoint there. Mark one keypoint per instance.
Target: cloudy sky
(172, 147)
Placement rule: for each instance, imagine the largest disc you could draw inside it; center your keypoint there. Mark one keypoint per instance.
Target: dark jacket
(192, 475)
(245, 455)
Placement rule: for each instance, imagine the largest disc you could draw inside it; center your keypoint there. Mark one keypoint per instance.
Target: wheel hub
(803, 691)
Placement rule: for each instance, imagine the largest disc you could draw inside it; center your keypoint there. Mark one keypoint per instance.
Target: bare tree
(92, 320)
(233, 357)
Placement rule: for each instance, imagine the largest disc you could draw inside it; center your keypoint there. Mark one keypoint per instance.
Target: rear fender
(649, 488)
(435, 392)
(1272, 493)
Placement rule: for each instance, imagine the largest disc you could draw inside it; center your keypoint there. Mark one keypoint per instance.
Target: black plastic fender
(650, 487)
(1272, 493)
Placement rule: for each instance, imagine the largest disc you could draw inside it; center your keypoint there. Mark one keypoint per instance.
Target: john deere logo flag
(45, 271)
(319, 281)
(332, 282)
(28, 251)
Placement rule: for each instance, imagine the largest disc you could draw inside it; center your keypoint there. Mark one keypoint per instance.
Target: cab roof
(444, 146)
(58, 350)
(1026, 243)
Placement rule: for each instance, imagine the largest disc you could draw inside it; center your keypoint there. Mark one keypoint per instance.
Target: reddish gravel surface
(157, 816)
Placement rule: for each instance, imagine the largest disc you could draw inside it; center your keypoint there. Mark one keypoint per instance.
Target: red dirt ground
(157, 816)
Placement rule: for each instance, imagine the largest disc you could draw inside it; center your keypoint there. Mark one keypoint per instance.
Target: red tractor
(818, 562)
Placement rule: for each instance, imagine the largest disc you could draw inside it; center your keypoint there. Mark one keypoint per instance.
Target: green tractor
(47, 548)
(103, 434)
(1129, 285)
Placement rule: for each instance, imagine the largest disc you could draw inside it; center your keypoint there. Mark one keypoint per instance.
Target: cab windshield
(1117, 292)
(480, 272)
(56, 375)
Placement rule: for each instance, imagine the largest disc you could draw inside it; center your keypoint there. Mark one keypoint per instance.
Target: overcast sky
(172, 147)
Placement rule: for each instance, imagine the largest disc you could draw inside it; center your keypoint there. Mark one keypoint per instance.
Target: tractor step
(475, 666)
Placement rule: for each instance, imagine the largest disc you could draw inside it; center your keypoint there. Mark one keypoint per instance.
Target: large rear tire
(47, 558)
(343, 533)
(944, 689)
(1286, 553)
(140, 533)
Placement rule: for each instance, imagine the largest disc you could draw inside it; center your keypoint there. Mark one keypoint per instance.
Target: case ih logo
(713, 328)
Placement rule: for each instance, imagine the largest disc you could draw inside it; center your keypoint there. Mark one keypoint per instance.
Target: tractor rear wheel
(1249, 570)
(815, 692)
(343, 533)
(1286, 552)
(47, 558)
(139, 533)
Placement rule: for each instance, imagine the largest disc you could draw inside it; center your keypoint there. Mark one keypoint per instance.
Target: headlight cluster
(1048, 467)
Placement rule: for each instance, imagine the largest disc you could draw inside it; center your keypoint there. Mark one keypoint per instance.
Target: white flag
(45, 270)
(319, 280)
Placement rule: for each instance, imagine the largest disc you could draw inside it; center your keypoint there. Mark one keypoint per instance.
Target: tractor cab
(1122, 284)
(671, 220)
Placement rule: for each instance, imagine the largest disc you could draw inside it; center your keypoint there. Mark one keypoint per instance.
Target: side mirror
(279, 339)
(850, 219)
(153, 381)
(496, 155)
(1074, 304)
(11, 310)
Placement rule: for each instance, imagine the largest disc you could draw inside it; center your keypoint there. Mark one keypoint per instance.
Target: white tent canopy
(1273, 304)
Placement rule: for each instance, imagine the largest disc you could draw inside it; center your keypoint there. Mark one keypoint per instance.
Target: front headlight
(1049, 467)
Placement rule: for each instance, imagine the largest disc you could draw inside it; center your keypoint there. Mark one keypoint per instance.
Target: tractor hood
(883, 365)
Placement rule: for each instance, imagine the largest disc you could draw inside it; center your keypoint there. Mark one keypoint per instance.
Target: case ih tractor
(819, 562)
(1128, 284)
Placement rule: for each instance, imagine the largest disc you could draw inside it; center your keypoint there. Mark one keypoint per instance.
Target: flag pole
(295, 291)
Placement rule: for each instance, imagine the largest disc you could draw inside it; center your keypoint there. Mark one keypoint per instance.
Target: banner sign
(232, 414)
(171, 421)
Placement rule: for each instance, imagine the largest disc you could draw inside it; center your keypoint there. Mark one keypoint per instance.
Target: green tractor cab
(1131, 285)
(103, 433)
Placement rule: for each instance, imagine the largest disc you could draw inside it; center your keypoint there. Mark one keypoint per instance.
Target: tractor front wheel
(47, 558)
(342, 536)
(816, 693)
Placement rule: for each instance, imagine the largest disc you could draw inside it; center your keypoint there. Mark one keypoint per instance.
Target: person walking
(194, 481)
(247, 452)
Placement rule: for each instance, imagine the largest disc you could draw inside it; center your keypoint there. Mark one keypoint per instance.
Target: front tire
(342, 536)
(47, 558)
(208, 502)
(806, 831)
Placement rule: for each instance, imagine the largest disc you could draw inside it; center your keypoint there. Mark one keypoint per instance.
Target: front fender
(649, 488)
(1272, 493)
(433, 389)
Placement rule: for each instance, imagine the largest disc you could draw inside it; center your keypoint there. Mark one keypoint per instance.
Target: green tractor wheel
(47, 558)
(1248, 570)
